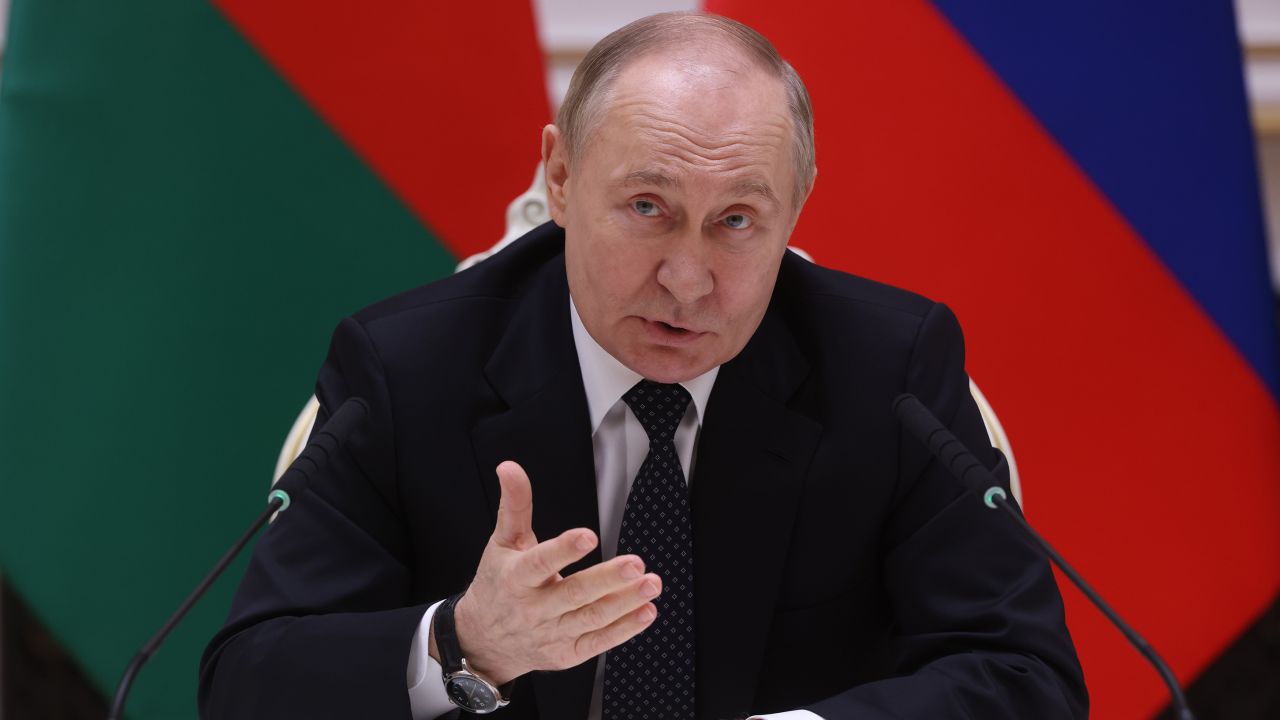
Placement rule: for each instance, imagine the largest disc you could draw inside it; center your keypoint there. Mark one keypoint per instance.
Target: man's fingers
(546, 559)
(608, 609)
(586, 586)
(619, 631)
(515, 508)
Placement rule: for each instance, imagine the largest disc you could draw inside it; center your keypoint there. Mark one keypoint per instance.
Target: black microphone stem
(1166, 674)
(947, 449)
(122, 690)
(345, 421)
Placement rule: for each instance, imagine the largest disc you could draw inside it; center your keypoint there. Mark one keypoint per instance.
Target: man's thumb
(515, 508)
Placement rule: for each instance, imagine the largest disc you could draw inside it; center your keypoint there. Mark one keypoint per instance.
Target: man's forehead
(646, 147)
(713, 105)
(677, 118)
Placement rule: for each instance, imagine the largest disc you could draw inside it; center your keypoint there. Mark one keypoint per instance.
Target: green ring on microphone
(988, 497)
(284, 499)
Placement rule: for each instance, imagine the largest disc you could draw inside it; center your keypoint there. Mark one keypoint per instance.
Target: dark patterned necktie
(650, 677)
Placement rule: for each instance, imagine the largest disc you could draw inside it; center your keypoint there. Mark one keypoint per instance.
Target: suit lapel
(753, 454)
(545, 427)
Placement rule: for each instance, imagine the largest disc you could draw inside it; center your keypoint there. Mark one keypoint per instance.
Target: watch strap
(446, 635)
(445, 630)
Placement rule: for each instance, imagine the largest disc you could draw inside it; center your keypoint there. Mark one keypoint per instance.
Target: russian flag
(1078, 181)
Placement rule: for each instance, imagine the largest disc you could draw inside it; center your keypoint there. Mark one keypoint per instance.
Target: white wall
(1269, 167)
(568, 28)
(1260, 31)
(4, 26)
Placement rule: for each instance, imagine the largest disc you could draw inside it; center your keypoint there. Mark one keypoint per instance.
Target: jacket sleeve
(979, 629)
(321, 625)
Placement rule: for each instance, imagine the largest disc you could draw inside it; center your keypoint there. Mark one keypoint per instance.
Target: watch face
(470, 693)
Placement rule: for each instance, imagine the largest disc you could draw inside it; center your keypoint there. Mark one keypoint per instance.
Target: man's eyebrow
(755, 187)
(651, 177)
(657, 178)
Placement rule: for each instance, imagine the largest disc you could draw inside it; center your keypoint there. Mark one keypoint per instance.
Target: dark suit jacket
(836, 567)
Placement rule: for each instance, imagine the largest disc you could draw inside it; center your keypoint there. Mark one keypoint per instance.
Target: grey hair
(585, 102)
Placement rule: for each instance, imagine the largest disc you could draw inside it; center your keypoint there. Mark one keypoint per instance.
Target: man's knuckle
(595, 615)
(587, 616)
(575, 593)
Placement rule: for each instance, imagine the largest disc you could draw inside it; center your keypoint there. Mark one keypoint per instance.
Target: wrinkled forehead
(690, 113)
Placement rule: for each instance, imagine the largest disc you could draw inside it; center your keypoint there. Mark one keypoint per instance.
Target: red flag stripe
(445, 101)
(1149, 449)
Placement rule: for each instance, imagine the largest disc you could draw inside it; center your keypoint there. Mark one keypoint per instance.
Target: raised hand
(519, 614)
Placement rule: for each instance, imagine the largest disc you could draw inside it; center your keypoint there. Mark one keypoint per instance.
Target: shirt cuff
(789, 715)
(425, 677)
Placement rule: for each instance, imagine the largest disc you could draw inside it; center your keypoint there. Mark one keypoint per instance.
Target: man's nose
(685, 271)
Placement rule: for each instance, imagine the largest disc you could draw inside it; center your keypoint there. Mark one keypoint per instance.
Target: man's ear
(555, 168)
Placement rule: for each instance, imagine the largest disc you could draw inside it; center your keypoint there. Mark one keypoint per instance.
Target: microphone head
(903, 403)
(925, 427)
(339, 428)
(915, 416)
(290, 484)
(349, 416)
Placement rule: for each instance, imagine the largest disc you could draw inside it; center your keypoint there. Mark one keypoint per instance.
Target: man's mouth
(665, 333)
(673, 328)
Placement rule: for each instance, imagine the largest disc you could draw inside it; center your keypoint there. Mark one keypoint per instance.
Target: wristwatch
(466, 689)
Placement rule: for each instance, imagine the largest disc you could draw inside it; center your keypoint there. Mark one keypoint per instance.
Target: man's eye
(646, 208)
(737, 222)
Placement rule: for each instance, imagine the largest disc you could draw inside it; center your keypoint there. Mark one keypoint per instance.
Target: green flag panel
(179, 234)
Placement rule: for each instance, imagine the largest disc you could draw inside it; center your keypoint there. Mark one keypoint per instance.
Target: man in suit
(642, 463)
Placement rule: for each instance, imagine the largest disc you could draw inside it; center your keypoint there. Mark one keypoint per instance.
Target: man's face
(677, 212)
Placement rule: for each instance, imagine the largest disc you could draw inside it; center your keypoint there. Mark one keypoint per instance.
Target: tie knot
(659, 407)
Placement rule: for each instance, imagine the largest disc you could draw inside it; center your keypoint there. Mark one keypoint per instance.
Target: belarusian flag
(190, 197)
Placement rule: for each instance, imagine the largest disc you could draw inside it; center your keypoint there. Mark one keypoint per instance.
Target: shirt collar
(606, 380)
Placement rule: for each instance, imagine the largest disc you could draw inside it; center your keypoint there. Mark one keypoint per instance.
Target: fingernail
(630, 571)
(649, 588)
(648, 613)
(584, 542)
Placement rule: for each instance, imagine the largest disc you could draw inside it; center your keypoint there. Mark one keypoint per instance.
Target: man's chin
(668, 365)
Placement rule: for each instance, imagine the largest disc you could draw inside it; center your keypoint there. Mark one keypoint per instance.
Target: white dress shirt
(620, 445)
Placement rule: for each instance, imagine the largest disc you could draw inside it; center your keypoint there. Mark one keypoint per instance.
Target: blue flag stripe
(1149, 99)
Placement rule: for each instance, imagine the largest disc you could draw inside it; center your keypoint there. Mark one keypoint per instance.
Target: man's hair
(588, 94)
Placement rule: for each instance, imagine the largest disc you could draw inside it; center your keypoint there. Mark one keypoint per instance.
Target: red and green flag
(190, 195)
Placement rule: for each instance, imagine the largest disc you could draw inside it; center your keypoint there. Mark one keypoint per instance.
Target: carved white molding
(4, 25)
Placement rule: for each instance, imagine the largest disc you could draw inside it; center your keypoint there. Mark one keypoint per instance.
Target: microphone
(943, 445)
(324, 442)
